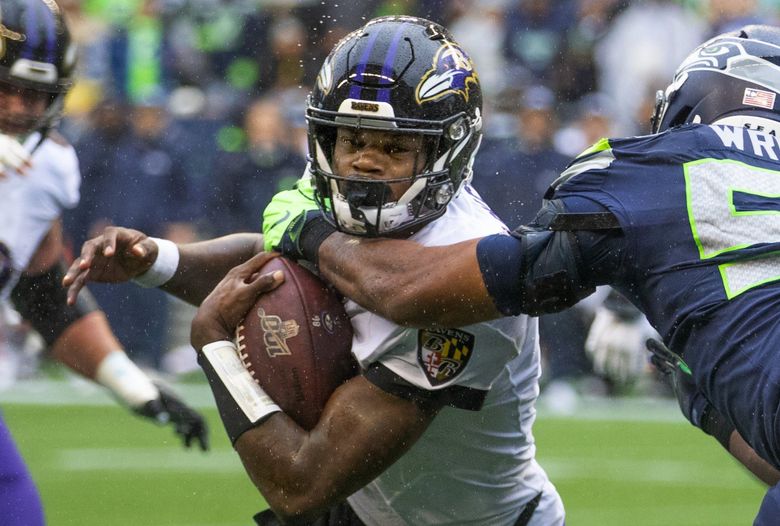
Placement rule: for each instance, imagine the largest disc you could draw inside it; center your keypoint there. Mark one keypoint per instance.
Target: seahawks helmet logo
(714, 56)
(452, 72)
(734, 57)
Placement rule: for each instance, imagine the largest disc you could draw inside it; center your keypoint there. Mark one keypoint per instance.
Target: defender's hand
(616, 346)
(13, 156)
(285, 215)
(117, 255)
(673, 367)
(693, 403)
(223, 309)
(186, 422)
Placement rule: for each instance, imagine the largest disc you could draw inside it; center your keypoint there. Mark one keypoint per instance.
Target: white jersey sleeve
(55, 174)
(30, 203)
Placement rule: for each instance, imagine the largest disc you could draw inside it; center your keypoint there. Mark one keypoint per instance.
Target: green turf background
(615, 464)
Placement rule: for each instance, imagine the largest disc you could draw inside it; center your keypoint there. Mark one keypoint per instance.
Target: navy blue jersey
(700, 211)
(699, 254)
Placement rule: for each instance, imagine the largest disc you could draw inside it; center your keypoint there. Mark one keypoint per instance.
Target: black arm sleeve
(538, 270)
(454, 396)
(42, 300)
(621, 307)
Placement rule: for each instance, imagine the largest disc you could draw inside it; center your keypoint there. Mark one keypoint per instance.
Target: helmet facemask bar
(362, 206)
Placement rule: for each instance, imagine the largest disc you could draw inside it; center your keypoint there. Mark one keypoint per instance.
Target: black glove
(304, 236)
(673, 367)
(693, 404)
(187, 423)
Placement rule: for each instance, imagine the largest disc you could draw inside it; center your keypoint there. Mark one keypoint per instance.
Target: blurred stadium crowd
(188, 115)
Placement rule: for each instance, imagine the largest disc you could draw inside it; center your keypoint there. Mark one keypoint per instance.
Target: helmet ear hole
(683, 116)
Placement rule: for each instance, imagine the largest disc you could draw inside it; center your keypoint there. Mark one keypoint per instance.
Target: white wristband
(248, 395)
(163, 268)
(125, 380)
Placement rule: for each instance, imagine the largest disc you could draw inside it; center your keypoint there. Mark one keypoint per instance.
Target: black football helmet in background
(37, 60)
(733, 78)
(399, 74)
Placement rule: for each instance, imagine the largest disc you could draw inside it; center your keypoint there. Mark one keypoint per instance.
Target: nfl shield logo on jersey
(443, 353)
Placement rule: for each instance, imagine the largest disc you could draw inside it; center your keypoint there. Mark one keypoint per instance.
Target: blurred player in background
(437, 427)
(616, 339)
(684, 223)
(39, 179)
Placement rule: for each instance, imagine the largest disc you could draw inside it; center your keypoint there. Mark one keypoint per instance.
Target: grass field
(626, 463)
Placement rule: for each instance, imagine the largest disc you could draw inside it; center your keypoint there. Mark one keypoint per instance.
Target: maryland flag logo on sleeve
(443, 353)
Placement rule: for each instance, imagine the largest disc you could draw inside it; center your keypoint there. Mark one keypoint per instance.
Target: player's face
(20, 109)
(379, 155)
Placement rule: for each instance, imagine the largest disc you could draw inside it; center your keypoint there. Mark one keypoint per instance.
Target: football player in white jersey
(39, 178)
(436, 429)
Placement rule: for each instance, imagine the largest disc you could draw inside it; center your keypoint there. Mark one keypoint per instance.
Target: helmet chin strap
(752, 122)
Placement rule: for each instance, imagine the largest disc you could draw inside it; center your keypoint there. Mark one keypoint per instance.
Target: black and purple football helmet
(403, 75)
(37, 59)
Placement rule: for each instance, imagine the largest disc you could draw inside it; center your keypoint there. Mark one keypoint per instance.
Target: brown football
(296, 343)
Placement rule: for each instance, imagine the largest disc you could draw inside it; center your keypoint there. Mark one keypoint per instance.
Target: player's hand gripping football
(286, 215)
(187, 423)
(117, 255)
(222, 310)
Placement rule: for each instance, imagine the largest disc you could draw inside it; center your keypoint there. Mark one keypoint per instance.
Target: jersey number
(733, 206)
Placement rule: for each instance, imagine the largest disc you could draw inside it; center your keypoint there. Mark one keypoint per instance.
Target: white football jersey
(31, 202)
(469, 467)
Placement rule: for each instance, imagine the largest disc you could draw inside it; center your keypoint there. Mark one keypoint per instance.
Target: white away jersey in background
(30, 203)
(469, 467)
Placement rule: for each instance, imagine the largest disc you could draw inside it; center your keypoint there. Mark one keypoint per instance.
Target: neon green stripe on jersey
(600, 146)
(597, 157)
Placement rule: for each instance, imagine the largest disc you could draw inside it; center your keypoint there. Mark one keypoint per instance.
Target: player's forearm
(755, 464)
(89, 347)
(278, 458)
(85, 343)
(408, 283)
(303, 473)
(202, 265)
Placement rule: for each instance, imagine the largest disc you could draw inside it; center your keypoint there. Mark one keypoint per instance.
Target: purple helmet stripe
(355, 90)
(51, 38)
(387, 68)
(31, 23)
